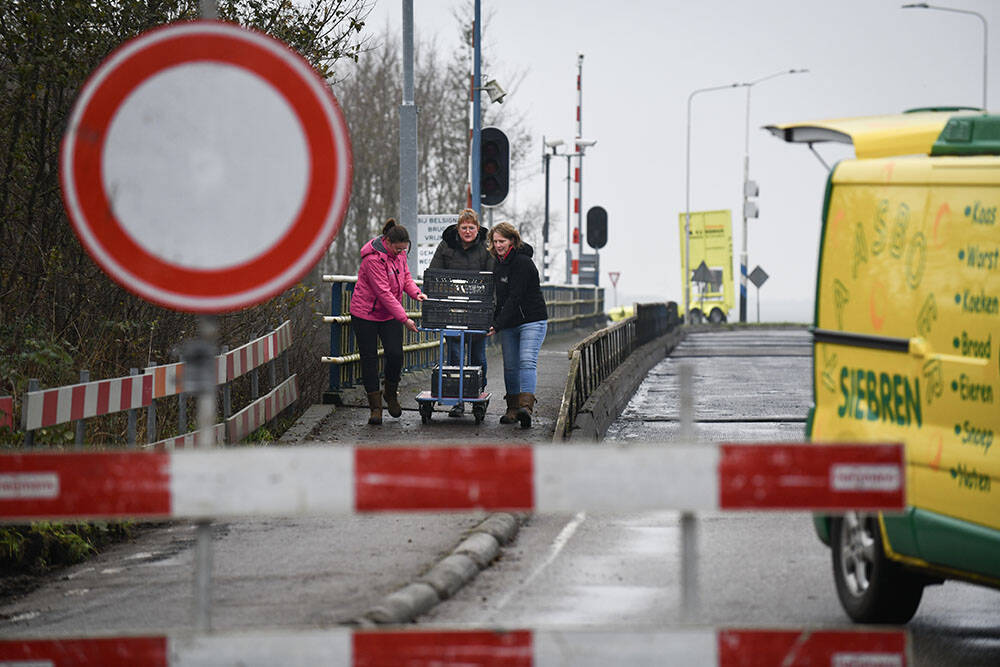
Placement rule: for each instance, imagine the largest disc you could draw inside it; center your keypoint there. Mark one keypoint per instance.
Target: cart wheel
(479, 412)
(426, 409)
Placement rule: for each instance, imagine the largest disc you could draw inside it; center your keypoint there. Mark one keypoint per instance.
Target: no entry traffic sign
(206, 167)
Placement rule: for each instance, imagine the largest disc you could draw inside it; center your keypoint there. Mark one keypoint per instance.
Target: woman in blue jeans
(521, 319)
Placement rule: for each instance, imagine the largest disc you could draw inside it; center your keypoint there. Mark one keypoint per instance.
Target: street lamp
(924, 5)
(687, 199)
(748, 187)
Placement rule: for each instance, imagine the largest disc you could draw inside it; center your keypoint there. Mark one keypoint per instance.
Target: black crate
(456, 314)
(471, 388)
(448, 283)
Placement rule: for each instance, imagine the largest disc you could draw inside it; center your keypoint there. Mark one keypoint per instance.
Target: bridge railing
(44, 408)
(597, 356)
(569, 307)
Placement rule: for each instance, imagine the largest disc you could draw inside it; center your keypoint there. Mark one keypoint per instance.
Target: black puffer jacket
(518, 291)
(451, 255)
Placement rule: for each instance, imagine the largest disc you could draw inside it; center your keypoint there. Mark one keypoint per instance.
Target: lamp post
(546, 156)
(687, 198)
(748, 187)
(924, 5)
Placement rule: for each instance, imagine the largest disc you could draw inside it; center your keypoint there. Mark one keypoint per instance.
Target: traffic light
(597, 227)
(494, 166)
(750, 209)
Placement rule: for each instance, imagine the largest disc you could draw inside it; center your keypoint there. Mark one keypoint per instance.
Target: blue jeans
(521, 346)
(475, 348)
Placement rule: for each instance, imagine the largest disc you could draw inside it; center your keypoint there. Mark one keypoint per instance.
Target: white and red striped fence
(50, 407)
(506, 648)
(541, 478)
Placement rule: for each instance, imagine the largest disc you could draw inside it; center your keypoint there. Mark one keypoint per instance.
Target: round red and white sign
(206, 167)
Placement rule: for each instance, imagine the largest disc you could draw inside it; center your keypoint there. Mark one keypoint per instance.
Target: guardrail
(597, 356)
(514, 647)
(42, 408)
(569, 307)
(300, 481)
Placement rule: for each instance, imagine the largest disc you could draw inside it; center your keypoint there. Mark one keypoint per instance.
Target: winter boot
(392, 399)
(525, 405)
(375, 404)
(510, 416)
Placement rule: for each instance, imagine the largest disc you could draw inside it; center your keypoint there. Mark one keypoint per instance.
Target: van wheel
(871, 588)
(696, 316)
(716, 316)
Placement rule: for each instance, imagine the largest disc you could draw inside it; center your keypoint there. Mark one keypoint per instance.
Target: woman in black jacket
(463, 248)
(520, 317)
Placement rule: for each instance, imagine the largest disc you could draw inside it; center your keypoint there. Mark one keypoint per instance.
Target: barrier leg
(689, 522)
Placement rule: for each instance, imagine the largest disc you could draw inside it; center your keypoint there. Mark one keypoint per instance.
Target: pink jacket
(382, 279)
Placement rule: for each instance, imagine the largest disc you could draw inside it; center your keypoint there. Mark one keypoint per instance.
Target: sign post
(758, 277)
(205, 168)
(613, 276)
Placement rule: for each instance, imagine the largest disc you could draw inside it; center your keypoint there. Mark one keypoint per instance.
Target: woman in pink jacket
(377, 313)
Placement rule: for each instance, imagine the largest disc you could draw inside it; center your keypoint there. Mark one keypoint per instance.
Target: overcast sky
(641, 61)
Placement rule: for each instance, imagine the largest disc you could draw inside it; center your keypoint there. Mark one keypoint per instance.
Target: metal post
(408, 138)
(80, 425)
(151, 422)
(29, 436)
(182, 413)
(477, 200)
(579, 167)
(545, 225)
(569, 224)
(689, 522)
(227, 393)
(130, 432)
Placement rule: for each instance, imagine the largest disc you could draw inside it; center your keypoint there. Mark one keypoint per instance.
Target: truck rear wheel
(716, 316)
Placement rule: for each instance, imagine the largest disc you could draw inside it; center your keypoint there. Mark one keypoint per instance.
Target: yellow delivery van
(907, 349)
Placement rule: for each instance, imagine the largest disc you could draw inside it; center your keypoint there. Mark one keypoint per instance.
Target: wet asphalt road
(756, 569)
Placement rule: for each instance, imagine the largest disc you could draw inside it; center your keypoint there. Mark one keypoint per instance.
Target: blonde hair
(468, 214)
(509, 232)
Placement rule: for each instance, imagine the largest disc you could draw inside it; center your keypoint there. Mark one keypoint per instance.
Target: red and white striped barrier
(81, 401)
(168, 380)
(49, 407)
(263, 410)
(541, 478)
(513, 648)
(187, 441)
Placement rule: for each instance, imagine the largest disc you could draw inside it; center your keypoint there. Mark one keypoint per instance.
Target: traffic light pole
(475, 186)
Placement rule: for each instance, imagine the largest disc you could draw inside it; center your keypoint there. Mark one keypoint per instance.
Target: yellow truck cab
(907, 348)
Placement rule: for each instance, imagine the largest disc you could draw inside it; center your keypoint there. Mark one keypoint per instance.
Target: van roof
(910, 133)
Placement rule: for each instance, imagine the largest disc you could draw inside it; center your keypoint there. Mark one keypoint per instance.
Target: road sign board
(613, 275)
(205, 167)
(758, 276)
(702, 274)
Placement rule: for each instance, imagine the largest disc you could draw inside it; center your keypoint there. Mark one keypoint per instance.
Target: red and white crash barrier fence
(540, 478)
(513, 648)
(168, 380)
(49, 407)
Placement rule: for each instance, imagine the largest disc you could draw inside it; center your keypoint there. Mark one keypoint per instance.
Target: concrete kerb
(448, 576)
(610, 398)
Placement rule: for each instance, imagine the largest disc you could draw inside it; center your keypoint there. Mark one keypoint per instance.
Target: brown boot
(392, 399)
(510, 416)
(525, 405)
(375, 404)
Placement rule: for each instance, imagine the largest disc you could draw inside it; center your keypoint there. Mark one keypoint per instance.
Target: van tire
(716, 316)
(696, 316)
(871, 588)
